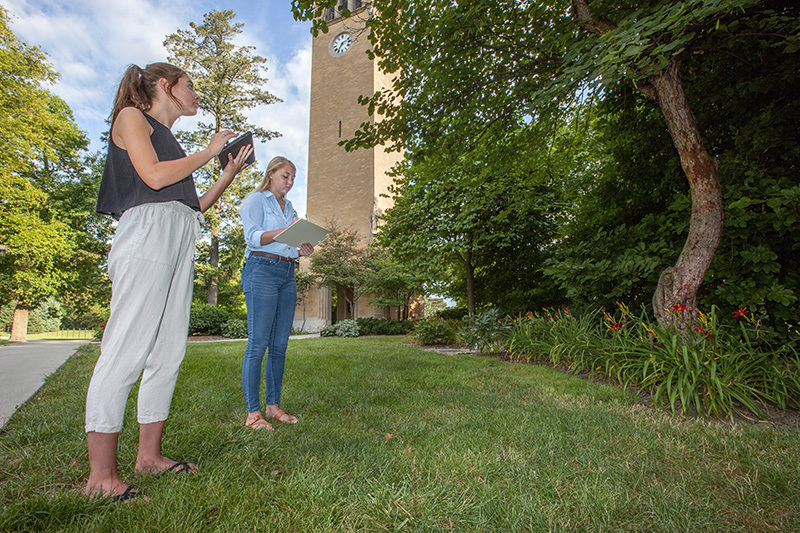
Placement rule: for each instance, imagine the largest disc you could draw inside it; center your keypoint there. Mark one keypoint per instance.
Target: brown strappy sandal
(259, 423)
(277, 417)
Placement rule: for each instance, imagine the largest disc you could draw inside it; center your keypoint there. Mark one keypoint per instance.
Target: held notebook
(233, 148)
(300, 232)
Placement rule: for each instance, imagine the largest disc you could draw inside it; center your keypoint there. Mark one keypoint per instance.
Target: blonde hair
(274, 164)
(138, 86)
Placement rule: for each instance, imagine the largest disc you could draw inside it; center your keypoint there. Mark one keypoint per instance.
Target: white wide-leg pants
(151, 266)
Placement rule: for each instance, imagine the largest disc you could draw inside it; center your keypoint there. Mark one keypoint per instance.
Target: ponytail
(138, 86)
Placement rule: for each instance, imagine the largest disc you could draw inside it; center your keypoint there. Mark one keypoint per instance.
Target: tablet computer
(300, 232)
(233, 148)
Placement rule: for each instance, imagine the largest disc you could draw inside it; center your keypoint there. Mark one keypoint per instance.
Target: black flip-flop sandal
(179, 467)
(129, 494)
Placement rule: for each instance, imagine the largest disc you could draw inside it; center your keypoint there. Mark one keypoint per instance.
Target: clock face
(341, 43)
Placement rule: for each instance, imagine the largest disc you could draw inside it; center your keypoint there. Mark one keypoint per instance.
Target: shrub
(87, 320)
(328, 331)
(384, 326)
(343, 328)
(235, 328)
(98, 331)
(452, 313)
(206, 319)
(346, 328)
(437, 331)
(484, 331)
(46, 316)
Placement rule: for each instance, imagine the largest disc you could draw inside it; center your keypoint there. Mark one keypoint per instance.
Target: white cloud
(91, 42)
(289, 81)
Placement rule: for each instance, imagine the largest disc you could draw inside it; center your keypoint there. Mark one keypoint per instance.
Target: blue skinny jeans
(270, 292)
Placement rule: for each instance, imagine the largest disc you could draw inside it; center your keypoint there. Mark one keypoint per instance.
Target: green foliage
(452, 313)
(89, 319)
(231, 79)
(205, 319)
(384, 326)
(475, 225)
(484, 331)
(714, 370)
(328, 330)
(437, 331)
(339, 260)
(491, 70)
(46, 317)
(99, 330)
(617, 239)
(234, 328)
(343, 328)
(7, 315)
(34, 146)
(390, 282)
(346, 328)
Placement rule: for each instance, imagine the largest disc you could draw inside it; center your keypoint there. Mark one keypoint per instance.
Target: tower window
(330, 13)
(340, 128)
(356, 4)
(342, 6)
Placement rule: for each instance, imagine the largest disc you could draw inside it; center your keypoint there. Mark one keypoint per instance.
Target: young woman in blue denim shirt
(270, 291)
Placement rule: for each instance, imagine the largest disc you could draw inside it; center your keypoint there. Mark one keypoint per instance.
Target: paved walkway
(23, 367)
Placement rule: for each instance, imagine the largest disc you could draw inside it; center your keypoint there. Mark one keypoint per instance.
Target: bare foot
(162, 464)
(116, 490)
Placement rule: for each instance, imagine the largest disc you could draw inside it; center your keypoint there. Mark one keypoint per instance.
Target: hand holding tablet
(302, 231)
(233, 148)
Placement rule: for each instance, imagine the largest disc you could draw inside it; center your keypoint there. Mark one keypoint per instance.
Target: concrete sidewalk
(23, 367)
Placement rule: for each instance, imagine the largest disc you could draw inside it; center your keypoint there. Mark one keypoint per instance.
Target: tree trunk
(676, 294)
(19, 324)
(470, 272)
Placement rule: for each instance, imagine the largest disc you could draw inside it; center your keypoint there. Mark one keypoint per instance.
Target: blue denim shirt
(261, 212)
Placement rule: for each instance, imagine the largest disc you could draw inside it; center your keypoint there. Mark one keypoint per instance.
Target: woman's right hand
(218, 141)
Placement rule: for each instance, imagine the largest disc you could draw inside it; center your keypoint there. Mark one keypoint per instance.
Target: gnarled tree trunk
(678, 285)
(676, 294)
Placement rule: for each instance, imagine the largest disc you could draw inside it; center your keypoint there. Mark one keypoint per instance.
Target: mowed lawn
(395, 438)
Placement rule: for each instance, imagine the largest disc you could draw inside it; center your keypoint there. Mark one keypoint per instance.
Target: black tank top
(122, 188)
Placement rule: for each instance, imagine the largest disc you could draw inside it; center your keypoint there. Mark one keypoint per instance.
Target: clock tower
(343, 187)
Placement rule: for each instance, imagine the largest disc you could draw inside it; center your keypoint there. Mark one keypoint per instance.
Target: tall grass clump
(437, 331)
(484, 331)
(712, 370)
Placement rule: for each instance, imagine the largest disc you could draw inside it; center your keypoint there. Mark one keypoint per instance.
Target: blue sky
(91, 42)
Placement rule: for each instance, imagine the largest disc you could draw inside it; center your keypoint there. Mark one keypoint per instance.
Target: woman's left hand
(238, 163)
(306, 249)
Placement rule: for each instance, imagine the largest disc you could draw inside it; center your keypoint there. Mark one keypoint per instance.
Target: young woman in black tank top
(147, 185)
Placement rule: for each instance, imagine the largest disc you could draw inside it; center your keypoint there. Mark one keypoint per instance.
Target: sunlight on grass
(395, 438)
(65, 334)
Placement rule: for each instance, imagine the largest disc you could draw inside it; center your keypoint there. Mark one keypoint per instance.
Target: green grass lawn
(393, 438)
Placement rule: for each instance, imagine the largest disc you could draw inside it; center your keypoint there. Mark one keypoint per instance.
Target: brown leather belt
(273, 256)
